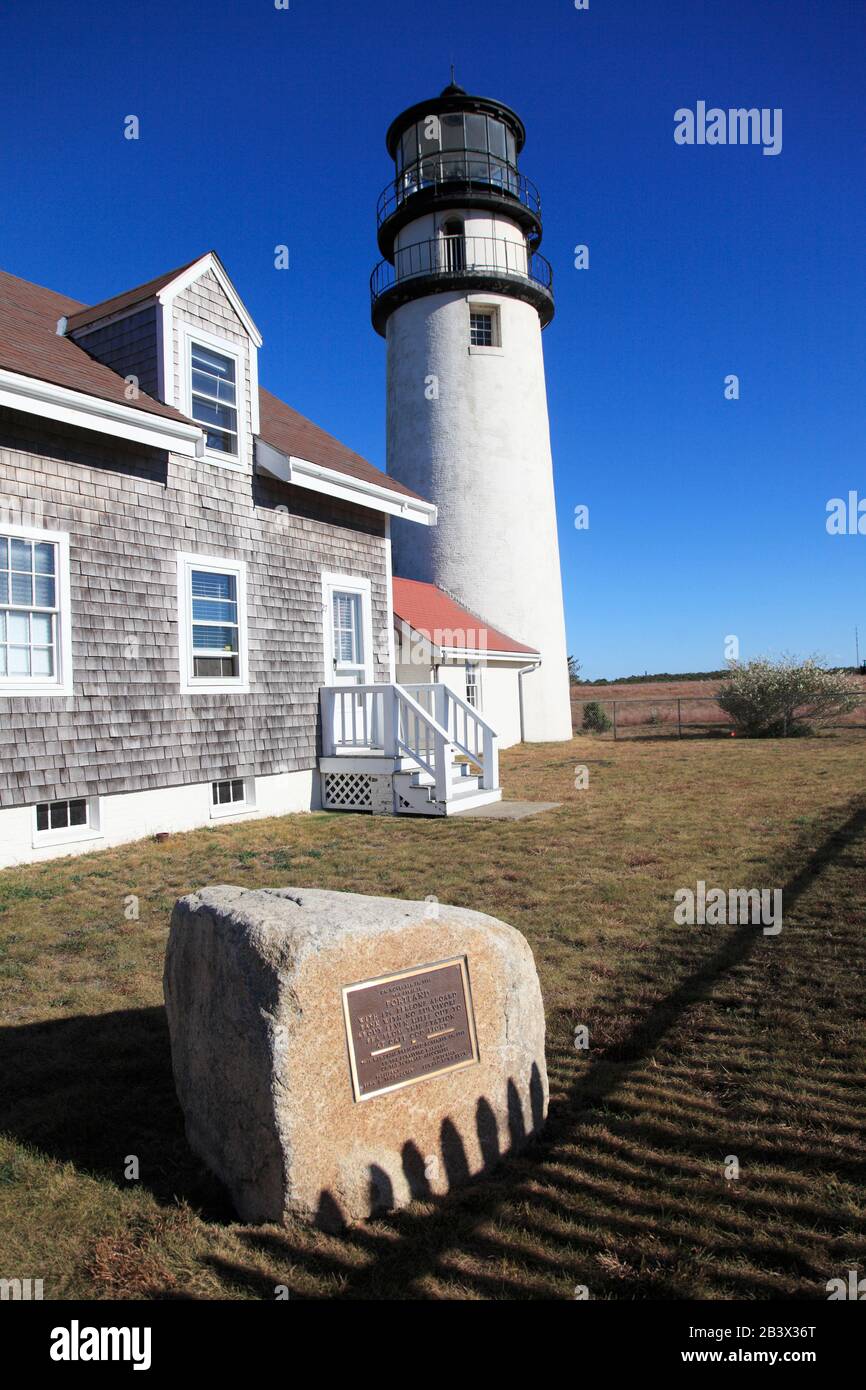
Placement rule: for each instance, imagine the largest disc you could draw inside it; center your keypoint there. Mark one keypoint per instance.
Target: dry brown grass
(704, 1043)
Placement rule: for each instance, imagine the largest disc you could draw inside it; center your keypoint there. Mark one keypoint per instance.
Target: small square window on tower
(484, 327)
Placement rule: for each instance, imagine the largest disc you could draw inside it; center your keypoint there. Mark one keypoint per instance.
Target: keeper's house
(195, 589)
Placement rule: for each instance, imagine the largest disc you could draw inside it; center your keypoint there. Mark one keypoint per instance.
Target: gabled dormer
(186, 338)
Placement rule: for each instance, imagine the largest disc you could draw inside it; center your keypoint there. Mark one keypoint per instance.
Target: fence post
(614, 721)
(679, 719)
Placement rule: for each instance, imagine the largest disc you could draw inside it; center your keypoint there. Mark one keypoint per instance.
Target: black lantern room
(458, 153)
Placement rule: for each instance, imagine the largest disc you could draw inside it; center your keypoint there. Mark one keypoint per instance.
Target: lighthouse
(461, 297)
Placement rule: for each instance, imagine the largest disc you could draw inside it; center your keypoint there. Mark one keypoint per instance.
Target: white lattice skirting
(348, 791)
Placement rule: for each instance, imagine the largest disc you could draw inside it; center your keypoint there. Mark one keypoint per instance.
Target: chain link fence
(676, 716)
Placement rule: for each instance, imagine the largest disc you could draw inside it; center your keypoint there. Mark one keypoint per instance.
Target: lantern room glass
(457, 145)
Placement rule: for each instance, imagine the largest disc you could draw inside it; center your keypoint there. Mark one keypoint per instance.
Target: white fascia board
(467, 654)
(43, 398)
(301, 473)
(210, 262)
(405, 631)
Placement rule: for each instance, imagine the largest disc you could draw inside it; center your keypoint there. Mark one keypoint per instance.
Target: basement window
(231, 795)
(66, 820)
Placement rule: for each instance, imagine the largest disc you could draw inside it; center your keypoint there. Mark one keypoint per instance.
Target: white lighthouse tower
(461, 298)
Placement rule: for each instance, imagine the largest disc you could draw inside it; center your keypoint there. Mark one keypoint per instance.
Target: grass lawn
(705, 1042)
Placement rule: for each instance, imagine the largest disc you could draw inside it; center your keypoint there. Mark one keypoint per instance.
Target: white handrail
(389, 719)
(479, 742)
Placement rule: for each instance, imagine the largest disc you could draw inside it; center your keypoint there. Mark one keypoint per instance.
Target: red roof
(31, 345)
(446, 623)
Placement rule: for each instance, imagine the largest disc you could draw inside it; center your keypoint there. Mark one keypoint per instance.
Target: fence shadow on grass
(92, 1090)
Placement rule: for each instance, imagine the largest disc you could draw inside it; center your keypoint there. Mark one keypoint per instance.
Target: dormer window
(213, 397)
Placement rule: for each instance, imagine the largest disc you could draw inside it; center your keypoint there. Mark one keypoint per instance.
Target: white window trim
(74, 834)
(234, 808)
(189, 335)
(354, 584)
(478, 304)
(207, 685)
(210, 262)
(61, 681)
(493, 349)
(478, 707)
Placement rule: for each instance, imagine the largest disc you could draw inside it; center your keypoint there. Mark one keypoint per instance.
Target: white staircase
(415, 750)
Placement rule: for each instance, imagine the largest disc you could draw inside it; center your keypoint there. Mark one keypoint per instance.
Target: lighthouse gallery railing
(455, 255)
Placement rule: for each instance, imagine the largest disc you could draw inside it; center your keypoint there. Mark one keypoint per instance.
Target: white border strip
(303, 473)
(51, 402)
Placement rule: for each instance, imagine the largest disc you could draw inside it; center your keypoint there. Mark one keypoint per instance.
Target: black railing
(474, 170)
(458, 255)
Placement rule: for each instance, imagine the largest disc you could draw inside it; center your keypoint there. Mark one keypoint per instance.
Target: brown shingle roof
(29, 344)
(295, 435)
(125, 300)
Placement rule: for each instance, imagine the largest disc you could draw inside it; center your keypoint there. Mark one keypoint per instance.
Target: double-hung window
(473, 685)
(214, 397)
(35, 655)
(212, 608)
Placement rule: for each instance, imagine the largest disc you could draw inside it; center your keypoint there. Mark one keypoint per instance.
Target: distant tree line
(576, 679)
(659, 676)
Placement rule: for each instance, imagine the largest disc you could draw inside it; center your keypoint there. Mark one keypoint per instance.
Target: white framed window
(212, 608)
(66, 821)
(35, 617)
(481, 328)
(232, 795)
(473, 685)
(212, 392)
(485, 327)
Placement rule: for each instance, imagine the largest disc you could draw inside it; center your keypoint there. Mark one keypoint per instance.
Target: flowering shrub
(780, 699)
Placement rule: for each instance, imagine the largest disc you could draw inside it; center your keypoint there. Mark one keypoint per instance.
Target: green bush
(595, 720)
(785, 698)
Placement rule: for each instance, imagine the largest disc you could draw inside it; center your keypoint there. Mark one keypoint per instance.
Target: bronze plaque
(413, 1024)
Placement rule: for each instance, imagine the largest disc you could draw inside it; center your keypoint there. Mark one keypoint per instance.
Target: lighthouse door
(453, 246)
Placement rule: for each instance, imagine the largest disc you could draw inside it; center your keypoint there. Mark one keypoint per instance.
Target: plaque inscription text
(409, 1025)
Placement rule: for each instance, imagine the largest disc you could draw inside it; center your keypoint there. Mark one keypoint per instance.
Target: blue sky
(261, 126)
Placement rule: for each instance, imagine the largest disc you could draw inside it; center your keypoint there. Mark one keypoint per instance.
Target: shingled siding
(128, 512)
(129, 346)
(203, 304)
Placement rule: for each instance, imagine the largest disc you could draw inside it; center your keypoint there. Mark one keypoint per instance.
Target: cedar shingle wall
(128, 346)
(128, 512)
